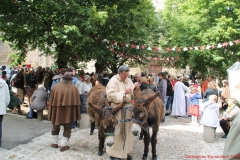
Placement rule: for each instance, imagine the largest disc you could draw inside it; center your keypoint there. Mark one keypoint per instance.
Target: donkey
(97, 96)
(106, 124)
(100, 112)
(148, 111)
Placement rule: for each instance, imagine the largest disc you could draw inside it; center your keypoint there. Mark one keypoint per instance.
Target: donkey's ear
(151, 98)
(137, 93)
(95, 108)
(118, 107)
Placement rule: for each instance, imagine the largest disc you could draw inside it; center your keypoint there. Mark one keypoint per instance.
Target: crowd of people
(66, 93)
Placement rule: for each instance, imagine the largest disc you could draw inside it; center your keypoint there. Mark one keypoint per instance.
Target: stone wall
(5, 50)
(33, 57)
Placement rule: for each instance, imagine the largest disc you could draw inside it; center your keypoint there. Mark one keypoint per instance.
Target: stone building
(33, 58)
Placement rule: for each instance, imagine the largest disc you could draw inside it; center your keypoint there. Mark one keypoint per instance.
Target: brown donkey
(100, 113)
(106, 124)
(148, 111)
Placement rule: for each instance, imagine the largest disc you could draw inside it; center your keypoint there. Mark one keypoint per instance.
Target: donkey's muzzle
(110, 144)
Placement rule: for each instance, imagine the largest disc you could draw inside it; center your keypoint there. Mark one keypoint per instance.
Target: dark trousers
(223, 126)
(169, 101)
(66, 132)
(1, 118)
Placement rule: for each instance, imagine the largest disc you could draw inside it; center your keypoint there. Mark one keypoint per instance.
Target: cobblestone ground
(177, 139)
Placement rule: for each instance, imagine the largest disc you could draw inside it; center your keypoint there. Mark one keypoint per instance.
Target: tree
(72, 31)
(190, 23)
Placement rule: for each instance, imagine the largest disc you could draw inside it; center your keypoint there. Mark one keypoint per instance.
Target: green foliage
(67, 29)
(193, 23)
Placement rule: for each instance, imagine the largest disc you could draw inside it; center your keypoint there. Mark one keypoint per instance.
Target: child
(194, 106)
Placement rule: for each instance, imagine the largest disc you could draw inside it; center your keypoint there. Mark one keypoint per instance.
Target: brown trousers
(66, 131)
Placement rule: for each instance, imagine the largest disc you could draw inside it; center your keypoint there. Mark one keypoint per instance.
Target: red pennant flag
(142, 47)
(201, 48)
(113, 51)
(179, 50)
(158, 59)
(225, 44)
(133, 46)
(155, 48)
(122, 44)
(237, 41)
(112, 42)
(168, 49)
(213, 46)
(190, 48)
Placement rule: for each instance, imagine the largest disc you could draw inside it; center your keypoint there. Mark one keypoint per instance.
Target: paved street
(177, 139)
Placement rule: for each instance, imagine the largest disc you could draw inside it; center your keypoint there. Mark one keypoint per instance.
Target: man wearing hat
(64, 109)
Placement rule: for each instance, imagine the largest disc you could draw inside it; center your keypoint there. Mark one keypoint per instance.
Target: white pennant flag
(219, 45)
(185, 48)
(127, 45)
(105, 40)
(115, 44)
(208, 47)
(137, 46)
(149, 49)
(230, 43)
(196, 48)
(159, 48)
(173, 49)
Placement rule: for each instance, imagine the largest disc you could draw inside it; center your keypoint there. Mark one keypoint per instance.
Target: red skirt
(194, 110)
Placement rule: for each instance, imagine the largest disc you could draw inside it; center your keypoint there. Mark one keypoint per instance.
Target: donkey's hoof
(140, 138)
(99, 153)
(154, 158)
(144, 157)
(91, 133)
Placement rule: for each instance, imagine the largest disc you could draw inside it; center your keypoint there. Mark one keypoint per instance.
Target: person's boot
(54, 141)
(64, 146)
(129, 157)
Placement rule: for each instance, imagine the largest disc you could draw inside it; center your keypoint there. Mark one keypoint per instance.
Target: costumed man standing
(118, 88)
(179, 101)
(64, 109)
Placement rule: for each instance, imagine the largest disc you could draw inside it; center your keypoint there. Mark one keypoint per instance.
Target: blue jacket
(194, 99)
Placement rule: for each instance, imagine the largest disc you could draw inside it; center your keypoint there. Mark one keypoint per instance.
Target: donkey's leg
(146, 144)
(92, 128)
(101, 145)
(141, 135)
(154, 143)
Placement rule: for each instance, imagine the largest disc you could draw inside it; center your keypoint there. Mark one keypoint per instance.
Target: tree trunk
(62, 59)
(99, 67)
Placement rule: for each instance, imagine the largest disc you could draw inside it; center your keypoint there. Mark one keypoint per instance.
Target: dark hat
(3, 67)
(68, 76)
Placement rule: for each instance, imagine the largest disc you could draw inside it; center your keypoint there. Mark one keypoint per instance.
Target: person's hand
(128, 90)
(135, 84)
(225, 119)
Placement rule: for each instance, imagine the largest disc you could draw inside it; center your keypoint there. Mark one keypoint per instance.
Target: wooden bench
(40, 115)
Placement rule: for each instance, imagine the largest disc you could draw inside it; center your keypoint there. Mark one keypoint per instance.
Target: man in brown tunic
(64, 109)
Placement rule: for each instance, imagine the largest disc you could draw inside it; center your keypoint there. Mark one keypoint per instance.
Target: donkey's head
(140, 112)
(107, 120)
